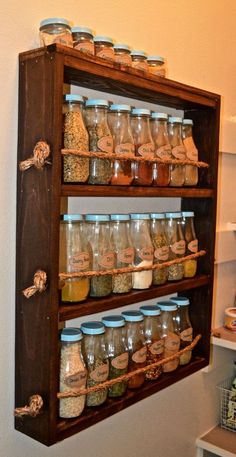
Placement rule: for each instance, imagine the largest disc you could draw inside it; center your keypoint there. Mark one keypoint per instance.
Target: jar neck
(159, 132)
(96, 115)
(157, 226)
(175, 132)
(182, 317)
(187, 131)
(188, 229)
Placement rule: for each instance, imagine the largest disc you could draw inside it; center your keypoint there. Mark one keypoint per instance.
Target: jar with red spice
(104, 47)
(83, 39)
(119, 123)
(161, 172)
(144, 146)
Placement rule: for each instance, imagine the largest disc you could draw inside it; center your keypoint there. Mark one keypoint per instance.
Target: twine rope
(127, 376)
(131, 158)
(116, 271)
(40, 279)
(40, 154)
(33, 409)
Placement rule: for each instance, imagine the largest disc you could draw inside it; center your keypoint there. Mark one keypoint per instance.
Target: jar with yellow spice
(190, 266)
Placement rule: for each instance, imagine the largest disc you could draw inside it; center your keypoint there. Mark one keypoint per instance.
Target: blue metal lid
(120, 108)
(173, 215)
(92, 328)
(113, 321)
(187, 122)
(120, 217)
(106, 39)
(97, 217)
(187, 214)
(167, 305)
(180, 301)
(132, 316)
(97, 102)
(54, 20)
(175, 120)
(156, 58)
(150, 310)
(122, 46)
(140, 216)
(71, 217)
(82, 30)
(156, 115)
(73, 98)
(141, 111)
(139, 53)
(71, 334)
(157, 216)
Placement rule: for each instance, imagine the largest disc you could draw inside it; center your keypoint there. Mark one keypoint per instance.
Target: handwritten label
(126, 255)
(76, 380)
(105, 144)
(171, 346)
(187, 334)
(121, 361)
(125, 59)
(80, 261)
(107, 260)
(193, 246)
(146, 253)
(179, 152)
(146, 149)
(178, 247)
(106, 53)
(191, 150)
(140, 356)
(162, 253)
(125, 148)
(100, 374)
(157, 347)
(164, 152)
(85, 46)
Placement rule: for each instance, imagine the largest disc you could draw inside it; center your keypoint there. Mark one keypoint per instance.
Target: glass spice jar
(153, 340)
(176, 244)
(100, 140)
(104, 47)
(143, 249)
(75, 168)
(124, 252)
(117, 353)
(177, 172)
(161, 247)
(159, 131)
(96, 360)
(184, 326)
(156, 65)
(122, 54)
(75, 256)
(119, 123)
(190, 266)
(103, 256)
(191, 172)
(55, 30)
(139, 60)
(136, 347)
(144, 146)
(169, 333)
(83, 39)
(73, 373)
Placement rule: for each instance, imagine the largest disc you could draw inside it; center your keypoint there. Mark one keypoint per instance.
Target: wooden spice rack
(43, 72)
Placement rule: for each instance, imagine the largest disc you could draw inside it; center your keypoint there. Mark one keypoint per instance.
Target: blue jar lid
(106, 39)
(54, 20)
(126, 108)
(113, 321)
(173, 215)
(132, 316)
(156, 59)
(175, 120)
(187, 214)
(97, 102)
(139, 53)
(180, 301)
(121, 46)
(71, 217)
(73, 98)
(156, 115)
(140, 216)
(187, 122)
(167, 305)
(150, 310)
(92, 328)
(140, 112)
(97, 217)
(120, 217)
(82, 30)
(157, 216)
(71, 334)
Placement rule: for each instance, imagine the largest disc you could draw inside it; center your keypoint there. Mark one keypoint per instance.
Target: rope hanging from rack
(41, 153)
(33, 409)
(40, 279)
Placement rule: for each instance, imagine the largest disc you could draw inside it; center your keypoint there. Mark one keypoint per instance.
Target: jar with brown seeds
(161, 248)
(176, 244)
(124, 252)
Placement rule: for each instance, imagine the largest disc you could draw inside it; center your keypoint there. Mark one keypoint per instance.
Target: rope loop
(40, 154)
(33, 409)
(40, 279)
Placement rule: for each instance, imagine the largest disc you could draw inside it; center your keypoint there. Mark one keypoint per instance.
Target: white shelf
(218, 441)
(226, 339)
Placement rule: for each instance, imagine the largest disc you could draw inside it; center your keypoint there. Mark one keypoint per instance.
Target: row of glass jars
(58, 30)
(100, 351)
(99, 242)
(118, 129)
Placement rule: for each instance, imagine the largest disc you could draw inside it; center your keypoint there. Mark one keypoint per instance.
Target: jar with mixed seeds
(136, 346)
(170, 333)
(184, 326)
(190, 266)
(75, 168)
(96, 360)
(177, 172)
(75, 256)
(83, 39)
(124, 252)
(100, 140)
(176, 244)
(55, 30)
(161, 247)
(144, 146)
(143, 249)
(122, 54)
(73, 373)
(117, 353)
(139, 60)
(103, 255)
(119, 123)
(159, 131)
(153, 339)
(104, 47)
(156, 65)
(191, 172)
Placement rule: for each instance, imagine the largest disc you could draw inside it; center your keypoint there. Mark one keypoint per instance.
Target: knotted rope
(40, 278)
(33, 409)
(40, 154)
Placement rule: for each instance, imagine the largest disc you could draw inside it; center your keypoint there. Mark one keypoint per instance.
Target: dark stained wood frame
(41, 77)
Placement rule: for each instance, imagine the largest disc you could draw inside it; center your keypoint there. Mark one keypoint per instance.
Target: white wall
(198, 38)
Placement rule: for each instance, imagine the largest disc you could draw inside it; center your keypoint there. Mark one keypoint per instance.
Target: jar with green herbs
(100, 140)
(103, 255)
(161, 247)
(161, 171)
(117, 353)
(190, 266)
(136, 346)
(96, 360)
(176, 244)
(170, 333)
(144, 146)
(178, 151)
(143, 249)
(184, 326)
(124, 252)
(191, 172)
(75, 168)
(153, 339)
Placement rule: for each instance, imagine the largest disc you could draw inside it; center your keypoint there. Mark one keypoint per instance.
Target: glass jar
(122, 54)
(73, 373)
(96, 360)
(103, 256)
(190, 266)
(191, 173)
(100, 140)
(119, 123)
(83, 40)
(184, 326)
(156, 65)
(104, 47)
(177, 172)
(176, 244)
(144, 146)
(161, 172)
(75, 168)
(75, 256)
(117, 353)
(153, 340)
(161, 247)
(55, 30)
(136, 347)
(124, 252)
(139, 60)
(169, 333)
(143, 249)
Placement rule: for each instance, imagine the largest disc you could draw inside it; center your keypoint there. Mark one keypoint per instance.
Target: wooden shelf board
(226, 340)
(219, 441)
(92, 305)
(93, 415)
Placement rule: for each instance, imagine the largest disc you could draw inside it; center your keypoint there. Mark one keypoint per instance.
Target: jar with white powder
(143, 249)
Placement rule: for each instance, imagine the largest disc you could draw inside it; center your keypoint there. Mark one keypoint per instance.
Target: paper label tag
(124, 59)
(178, 247)
(105, 144)
(121, 361)
(100, 374)
(140, 356)
(139, 65)
(187, 334)
(146, 149)
(80, 261)
(146, 253)
(164, 152)
(157, 347)
(162, 253)
(126, 255)
(191, 150)
(76, 380)
(125, 148)
(63, 40)
(107, 260)
(85, 46)
(193, 246)
(106, 53)
(179, 152)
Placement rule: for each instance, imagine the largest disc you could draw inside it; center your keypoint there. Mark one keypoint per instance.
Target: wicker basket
(227, 405)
